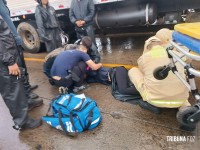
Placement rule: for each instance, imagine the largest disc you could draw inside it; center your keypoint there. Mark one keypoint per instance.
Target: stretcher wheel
(183, 115)
(160, 73)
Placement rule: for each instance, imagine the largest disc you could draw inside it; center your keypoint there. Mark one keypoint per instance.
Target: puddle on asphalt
(127, 45)
(120, 50)
(104, 44)
(108, 44)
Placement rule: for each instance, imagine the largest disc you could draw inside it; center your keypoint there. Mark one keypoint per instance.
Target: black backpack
(99, 76)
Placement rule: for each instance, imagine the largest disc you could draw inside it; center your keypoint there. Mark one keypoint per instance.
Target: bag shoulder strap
(82, 102)
(50, 104)
(71, 134)
(90, 117)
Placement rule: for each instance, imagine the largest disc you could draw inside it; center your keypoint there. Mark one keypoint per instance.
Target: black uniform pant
(124, 86)
(13, 93)
(79, 70)
(22, 63)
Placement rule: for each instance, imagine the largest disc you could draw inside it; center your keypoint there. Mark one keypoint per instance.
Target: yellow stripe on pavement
(34, 59)
(117, 65)
(105, 65)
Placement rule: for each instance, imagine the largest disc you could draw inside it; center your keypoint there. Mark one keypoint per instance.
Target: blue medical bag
(73, 113)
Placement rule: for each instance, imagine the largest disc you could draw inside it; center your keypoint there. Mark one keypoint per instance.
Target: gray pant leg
(55, 42)
(94, 54)
(90, 33)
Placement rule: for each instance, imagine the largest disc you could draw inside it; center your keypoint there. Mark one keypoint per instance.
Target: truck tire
(30, 37)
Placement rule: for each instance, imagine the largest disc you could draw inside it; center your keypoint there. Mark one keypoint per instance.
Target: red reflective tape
(61, 6)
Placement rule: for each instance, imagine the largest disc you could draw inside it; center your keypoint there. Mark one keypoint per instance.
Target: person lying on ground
(122, 80)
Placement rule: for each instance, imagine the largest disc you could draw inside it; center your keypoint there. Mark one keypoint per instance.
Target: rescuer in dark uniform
(32, 97)
(11, 81)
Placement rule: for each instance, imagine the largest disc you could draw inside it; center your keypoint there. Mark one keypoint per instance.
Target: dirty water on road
(124, 126)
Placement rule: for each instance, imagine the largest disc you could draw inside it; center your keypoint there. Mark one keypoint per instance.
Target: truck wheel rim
(29, 38)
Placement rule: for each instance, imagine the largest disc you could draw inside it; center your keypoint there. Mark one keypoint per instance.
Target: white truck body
(28, 6)
(110, 16)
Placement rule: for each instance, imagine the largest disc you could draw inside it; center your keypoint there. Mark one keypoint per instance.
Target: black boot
(32, 95)
(32, 103)
(28, 89)
(27, 85)
(33, 86)
(31, 124)
(187, 128)
(148, 106)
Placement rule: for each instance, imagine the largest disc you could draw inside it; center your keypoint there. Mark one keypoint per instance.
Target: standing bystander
(81, 14)
(48, 26)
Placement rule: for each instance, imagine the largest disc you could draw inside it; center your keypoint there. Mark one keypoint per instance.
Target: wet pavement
(124, 126)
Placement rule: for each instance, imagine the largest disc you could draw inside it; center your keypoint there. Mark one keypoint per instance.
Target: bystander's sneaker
(80, 88)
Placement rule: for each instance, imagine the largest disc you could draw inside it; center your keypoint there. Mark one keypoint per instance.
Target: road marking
(117, 65)
(34, 59)
(105, 65)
